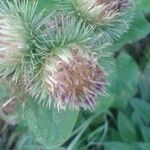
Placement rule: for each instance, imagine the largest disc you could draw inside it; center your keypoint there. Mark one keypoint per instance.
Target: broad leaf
(139, 28)
(137, 120)
(144, 146)
(145, 83)
(142, 108)
(52, 128)
(145, 133)
(106, 101)
(117, 146)
(125, 83)
(126, 129)
(114, 135)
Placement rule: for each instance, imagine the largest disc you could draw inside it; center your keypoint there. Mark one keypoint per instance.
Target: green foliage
(142, 108)
(139, 28)
(145, 83)
(123, 86)
(121, 118)
(50, 127)
(126, 129)
(104, 102)
(144, 146)
(117, 146)
(145, 133)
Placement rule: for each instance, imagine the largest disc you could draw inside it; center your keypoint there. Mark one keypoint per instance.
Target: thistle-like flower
(101, 12)
(68, 70)
(74, 77)
(20, 28)
(11, 44)
(57, 62)
(110, 18)
(13, 41)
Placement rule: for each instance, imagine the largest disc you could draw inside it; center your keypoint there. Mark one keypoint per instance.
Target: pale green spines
(110, 18)
(12, 44)
(19, 33)
(41, 39)
(74, 78)
(58, 38)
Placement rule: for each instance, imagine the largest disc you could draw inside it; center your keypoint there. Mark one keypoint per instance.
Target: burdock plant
(55, 59)
(69, 70)
(110, 18)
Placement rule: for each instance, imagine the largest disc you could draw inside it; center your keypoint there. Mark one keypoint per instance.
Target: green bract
(19, 28)
(63, 36)
(110, 18)
(32, 39)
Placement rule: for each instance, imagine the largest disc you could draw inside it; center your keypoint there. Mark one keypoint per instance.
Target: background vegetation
(120, 122)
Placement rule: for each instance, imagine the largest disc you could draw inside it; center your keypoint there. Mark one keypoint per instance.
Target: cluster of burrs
(53, 58)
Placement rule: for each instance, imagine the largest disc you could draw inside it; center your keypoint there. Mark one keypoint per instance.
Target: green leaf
(136, 119)
(145, 83)
(145, 133)
(114, 135)
(123, 79)
(140, 27)
(117, 146)
(106, 101)
(28, 142)
(144, 146)
(52, 128)
(126, 129)
(124, 85)
(142, 108)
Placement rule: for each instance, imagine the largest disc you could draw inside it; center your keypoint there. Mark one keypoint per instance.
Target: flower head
(74, 78)
(109, 18)
(101, 11)
(11, 44)
(19, 33)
